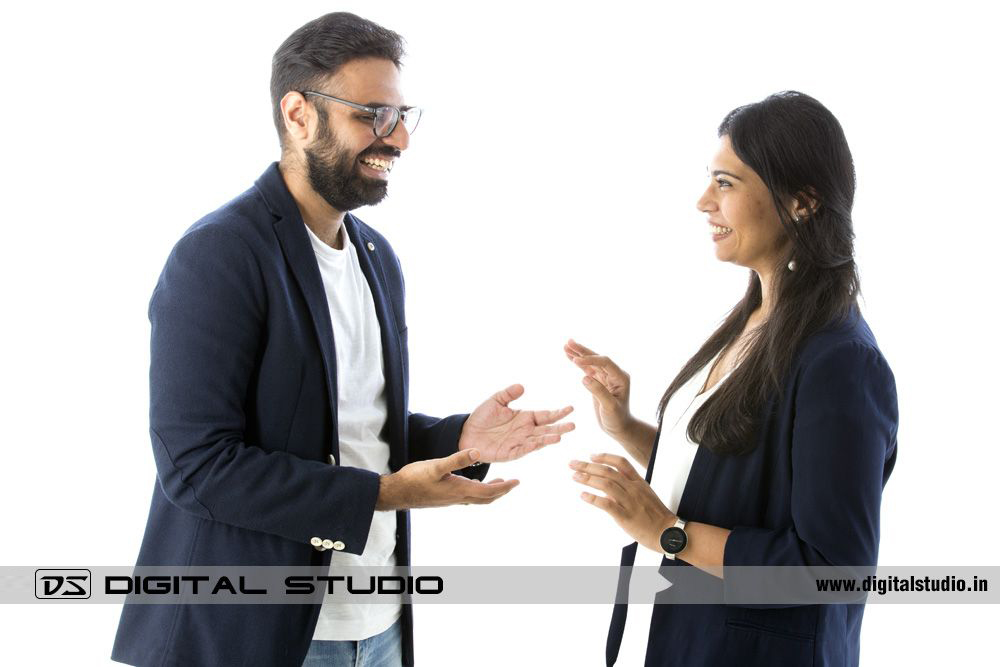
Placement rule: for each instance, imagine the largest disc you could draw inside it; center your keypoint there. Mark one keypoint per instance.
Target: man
(278, 381)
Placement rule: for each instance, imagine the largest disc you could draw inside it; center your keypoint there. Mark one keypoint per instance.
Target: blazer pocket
(779, 633)
(750, 644)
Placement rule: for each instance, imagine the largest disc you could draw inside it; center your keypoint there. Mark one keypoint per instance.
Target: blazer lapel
(693, 495)
(370, 258)
(301, 260)
(298, 251)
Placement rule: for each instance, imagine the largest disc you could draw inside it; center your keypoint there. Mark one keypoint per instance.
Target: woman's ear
(804, 204)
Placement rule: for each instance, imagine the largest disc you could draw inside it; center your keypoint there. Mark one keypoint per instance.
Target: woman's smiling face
(738, 202)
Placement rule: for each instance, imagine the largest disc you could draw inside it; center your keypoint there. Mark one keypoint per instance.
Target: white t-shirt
(674, 457)
(361, 414)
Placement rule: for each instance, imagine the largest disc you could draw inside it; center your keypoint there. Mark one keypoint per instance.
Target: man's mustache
(381, 152)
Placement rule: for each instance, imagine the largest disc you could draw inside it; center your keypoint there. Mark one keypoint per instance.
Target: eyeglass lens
(385, 121)
(387, 117)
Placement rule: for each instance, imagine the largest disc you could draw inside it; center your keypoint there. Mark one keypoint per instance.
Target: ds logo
(62, 584)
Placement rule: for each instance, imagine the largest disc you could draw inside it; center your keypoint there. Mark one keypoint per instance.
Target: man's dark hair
(319, 48)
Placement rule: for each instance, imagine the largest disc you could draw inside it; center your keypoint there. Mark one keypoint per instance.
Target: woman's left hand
(628, 498)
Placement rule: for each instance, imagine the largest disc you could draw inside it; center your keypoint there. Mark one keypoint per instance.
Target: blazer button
(315, 541)
(371, 246)
(328, 544)
(338, 545)
(333, 460)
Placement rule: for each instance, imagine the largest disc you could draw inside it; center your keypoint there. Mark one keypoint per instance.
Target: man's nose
(400, 137)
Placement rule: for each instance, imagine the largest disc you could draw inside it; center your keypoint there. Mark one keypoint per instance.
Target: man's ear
(295, 113)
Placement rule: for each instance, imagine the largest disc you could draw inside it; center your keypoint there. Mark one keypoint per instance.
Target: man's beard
(334, 175)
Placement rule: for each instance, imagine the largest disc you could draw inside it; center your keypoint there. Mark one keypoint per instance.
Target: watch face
(673, 540)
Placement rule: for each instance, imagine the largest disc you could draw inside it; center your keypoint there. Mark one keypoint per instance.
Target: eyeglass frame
(374, 111)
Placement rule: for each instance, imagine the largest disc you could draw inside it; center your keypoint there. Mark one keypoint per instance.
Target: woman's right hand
(609, 386)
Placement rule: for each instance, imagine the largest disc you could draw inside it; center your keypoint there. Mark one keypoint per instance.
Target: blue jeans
(382, 650)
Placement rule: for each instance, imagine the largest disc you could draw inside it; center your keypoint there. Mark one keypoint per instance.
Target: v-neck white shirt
(674, 458)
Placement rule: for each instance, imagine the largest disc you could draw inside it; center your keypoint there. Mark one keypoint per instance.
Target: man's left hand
(504, 434)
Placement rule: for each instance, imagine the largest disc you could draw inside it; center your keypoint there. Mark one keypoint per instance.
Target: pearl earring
(791, 265)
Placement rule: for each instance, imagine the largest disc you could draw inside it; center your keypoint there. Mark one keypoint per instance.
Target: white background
(548, 193)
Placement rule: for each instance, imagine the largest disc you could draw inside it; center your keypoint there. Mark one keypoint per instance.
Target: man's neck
(324, 220)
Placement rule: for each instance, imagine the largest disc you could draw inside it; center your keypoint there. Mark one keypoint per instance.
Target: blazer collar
(277, 198)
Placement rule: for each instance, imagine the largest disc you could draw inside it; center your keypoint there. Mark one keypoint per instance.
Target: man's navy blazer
(808, 494)
(243, 422)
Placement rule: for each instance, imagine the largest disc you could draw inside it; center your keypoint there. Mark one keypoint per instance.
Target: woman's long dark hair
(797, 147)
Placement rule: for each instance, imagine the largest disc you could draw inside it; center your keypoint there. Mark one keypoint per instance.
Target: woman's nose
(706, 204)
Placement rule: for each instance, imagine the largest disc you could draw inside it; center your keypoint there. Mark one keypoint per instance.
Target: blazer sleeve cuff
(432, 438)
(745, 546)
(349, 509)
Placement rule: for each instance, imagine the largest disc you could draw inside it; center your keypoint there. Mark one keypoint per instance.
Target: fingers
(606, 504)
(601, 393)
(543, 417)
(554, 429)
(541, 437)
(511, 393)
(590, 472)
(619, 462)
(596, 469)
(478, 493)
(598, 360)
(611, 486)
(460, 459)
(572, 348)
(546, 417)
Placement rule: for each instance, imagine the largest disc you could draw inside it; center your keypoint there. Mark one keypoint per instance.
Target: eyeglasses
(384, 119)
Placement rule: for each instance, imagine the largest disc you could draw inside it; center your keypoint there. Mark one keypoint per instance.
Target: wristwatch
(673, 539)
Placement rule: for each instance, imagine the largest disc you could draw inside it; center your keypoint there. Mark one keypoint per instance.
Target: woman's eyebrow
(720, 172)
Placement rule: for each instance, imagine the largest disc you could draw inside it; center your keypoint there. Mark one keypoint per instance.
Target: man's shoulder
(244, 216)
(236, 236)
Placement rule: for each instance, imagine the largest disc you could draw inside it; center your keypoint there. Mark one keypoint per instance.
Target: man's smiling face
(346, 163)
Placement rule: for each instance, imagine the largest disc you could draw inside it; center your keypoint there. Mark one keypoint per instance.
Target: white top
(674, 457)
(675, 452)
(361, 415)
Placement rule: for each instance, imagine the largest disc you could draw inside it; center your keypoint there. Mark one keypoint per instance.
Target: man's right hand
(431, 483)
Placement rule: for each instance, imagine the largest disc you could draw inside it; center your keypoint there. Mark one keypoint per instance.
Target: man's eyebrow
(720, 172)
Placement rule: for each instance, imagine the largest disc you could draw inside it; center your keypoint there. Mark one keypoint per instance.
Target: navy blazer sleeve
(843, 447)
(207, 314)
(432, 438)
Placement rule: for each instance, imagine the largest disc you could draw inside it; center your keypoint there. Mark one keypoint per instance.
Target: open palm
(501, 433)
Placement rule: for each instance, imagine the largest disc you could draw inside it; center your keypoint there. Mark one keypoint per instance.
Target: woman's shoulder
(847, 344)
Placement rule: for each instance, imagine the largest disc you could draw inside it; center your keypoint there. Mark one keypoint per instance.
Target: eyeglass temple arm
(360, 107)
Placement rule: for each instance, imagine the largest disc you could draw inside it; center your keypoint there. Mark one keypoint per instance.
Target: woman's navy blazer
(808, 494)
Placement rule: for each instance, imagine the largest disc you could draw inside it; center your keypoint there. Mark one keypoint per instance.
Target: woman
(790, 402)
